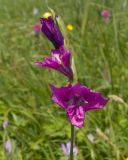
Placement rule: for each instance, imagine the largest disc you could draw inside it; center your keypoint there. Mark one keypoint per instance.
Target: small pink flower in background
(8, 146)
(106, 14)
(5, 124)
(66, 149)
(37, 28)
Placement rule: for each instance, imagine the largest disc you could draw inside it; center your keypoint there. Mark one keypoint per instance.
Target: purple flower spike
(59, 60)
(52, 32)
(8, 146)
(66, 149)
(77, 100)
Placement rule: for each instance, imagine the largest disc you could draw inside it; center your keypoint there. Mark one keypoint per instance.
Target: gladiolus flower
(52, 32)
(66, 149)
(59, 60)
(77, 100)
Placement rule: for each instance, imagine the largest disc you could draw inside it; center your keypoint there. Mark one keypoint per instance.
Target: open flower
(66, 149)
(52, 32)
(59, 60)
(77, 100)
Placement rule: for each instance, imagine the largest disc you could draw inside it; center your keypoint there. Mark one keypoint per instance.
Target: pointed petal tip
(36, 63)
(106, 100)
(51, 86)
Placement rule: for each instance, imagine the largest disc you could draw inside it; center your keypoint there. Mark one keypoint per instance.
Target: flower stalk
(72, 126)
(72, 141)
(75, 98)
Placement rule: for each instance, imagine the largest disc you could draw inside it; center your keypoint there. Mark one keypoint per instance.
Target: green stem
(72, 142)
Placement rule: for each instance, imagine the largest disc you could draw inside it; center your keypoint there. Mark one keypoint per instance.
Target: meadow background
(37, 127)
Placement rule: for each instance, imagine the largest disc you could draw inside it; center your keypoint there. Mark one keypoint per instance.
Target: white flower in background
(5, 124)
(124, 4)
(91, 137)
(107, 130)
(35, 11)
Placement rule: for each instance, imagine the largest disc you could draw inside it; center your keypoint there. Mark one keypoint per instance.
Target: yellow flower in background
(126, 158)
(46, 14)
(69, 27)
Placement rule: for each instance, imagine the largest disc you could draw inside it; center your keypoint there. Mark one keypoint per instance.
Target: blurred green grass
(37, 127)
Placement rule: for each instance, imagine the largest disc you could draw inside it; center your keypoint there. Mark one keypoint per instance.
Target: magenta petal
(66, 59)
(66, 55)
(76, 115)
(60, 95)
(91, 99)
(58, 62)
(95, 101)
(105, 13)
(48, 62)
(63, 56)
